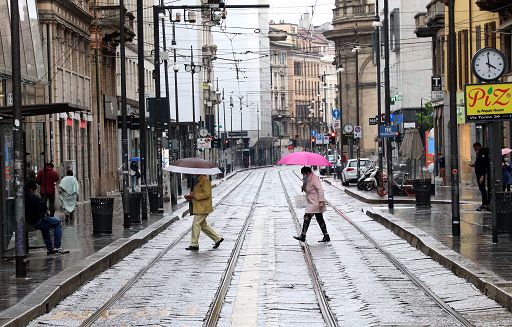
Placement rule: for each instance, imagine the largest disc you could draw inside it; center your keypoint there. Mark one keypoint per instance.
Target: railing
(353, 11)
(109, 16)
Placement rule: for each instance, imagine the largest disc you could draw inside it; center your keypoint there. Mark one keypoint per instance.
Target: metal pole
(231, 126)
(19, 153)
(124, 126)
(98, 97)
(379, 95)
(194, 127)
(358, 123)
(387, 105)
(158, 108)
(241, 137)
(50, 88)
(178, 134)
(169, 148)
(142, 106)
(340, 108)
(225, 134)
(454, 142)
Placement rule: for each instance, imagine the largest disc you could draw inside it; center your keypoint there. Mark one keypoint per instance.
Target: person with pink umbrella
(316, 204)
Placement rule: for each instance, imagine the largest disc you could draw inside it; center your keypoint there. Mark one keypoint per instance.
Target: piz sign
(488, 102)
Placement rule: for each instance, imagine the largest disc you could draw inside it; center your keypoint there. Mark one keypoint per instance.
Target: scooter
(361, 182)
(371, 181)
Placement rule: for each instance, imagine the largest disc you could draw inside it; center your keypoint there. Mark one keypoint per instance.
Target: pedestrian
(68, 194)
(134, 174)
(36, 214)
(441, 165)
(316, 204)
(201, 200)
(507, 173)
(46, 179)
(481, 166)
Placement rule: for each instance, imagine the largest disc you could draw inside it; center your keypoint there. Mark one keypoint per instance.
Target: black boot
(326, 238)
(301, 238)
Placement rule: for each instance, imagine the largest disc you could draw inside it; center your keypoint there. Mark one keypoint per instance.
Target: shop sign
(488, 102)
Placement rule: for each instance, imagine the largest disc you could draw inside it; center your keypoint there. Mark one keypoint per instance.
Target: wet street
(261, 276)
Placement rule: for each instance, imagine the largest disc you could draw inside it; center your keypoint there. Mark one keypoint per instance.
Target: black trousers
(319, 218)
(51, 199)
(483, 191)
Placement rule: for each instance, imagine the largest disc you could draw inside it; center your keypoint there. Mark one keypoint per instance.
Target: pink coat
(315, 194)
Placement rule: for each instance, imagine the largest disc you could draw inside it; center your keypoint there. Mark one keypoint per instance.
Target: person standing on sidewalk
(481, 166)
(36, 215)
(507, 173)
(441, 165)
(201, 199)
(46, 179)
(316, 204)
(68, 194)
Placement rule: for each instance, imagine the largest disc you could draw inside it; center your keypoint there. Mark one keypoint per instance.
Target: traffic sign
(388, 131)
(313, 133)
(336, 124)
(336, 113)
(357, 132)
(326, 138)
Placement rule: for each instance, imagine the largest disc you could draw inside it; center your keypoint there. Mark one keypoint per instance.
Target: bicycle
(403, 188)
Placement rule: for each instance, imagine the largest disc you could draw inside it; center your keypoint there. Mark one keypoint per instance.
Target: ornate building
(351, 22)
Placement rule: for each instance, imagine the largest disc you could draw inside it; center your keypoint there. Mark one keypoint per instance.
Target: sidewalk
(472, 256)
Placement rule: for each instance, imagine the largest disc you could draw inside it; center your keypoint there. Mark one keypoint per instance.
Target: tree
(425, 117)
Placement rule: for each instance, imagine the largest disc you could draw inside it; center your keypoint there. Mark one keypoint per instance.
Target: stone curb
(488, 282)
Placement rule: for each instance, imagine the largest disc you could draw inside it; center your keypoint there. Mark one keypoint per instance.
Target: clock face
(348, 128)
(203, 132)
(488, 64)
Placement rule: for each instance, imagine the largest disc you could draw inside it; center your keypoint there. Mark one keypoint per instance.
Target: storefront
(36, 154)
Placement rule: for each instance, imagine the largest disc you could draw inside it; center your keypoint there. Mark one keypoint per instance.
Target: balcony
(493, 5)
(422, 29)
(435, 14)
(108, 21)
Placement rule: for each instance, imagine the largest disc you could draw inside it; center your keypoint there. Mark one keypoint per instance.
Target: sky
(291, 10)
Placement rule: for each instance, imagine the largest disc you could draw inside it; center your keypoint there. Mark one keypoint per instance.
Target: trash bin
(153, 198)
(504, 211)
(102, 210)
(135, 199)
(422, 192)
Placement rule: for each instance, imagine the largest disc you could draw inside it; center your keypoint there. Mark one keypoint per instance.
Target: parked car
(333, 159)
(349, 173)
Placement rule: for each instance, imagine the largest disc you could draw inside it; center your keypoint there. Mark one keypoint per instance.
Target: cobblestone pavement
(271, 285)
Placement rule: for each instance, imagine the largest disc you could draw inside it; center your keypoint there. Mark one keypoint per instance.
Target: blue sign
(391, 117)
(336, 113)
(313, 133)
(388, 131)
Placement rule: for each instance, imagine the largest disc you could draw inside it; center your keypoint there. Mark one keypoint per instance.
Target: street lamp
(355, 50)
(192, 68)
(377, 24)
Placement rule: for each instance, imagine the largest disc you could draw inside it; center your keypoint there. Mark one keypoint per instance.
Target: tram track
(421, 285)
(323, 301)
(213, 313)
(119, 294)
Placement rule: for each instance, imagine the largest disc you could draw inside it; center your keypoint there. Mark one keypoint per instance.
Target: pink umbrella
(304, 159)
(505, 151)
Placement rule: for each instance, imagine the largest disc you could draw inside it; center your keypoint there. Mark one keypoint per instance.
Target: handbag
(301, 201)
